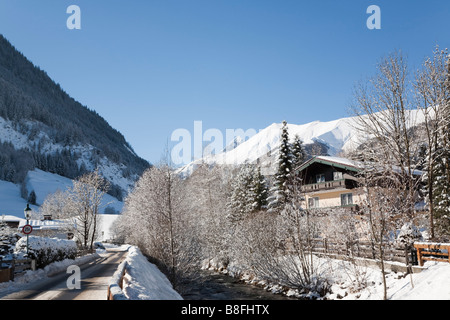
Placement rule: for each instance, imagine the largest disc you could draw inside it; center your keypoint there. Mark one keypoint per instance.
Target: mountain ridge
(42, 127)
(327, 138)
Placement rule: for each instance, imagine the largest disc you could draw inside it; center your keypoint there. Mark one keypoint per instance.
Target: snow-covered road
(94, 276)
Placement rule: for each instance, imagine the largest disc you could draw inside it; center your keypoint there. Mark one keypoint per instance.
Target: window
(346, 199)
(313, 202)
(337, 175)
(320, 178)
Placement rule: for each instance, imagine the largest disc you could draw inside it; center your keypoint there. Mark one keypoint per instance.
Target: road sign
(27, 229)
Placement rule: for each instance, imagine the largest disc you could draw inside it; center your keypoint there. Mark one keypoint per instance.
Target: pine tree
(242, 194)
(280, 190)
(32, 197)
(298, 152)
(260, 190)
(441, 189)
(249, 192)
(441, 170)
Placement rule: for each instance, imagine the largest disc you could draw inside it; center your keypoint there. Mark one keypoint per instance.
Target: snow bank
(433, 283)
(114, 287)
(144, 281)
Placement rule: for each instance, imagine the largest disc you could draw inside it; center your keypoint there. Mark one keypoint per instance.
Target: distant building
(330, 182)
(50, 228)
(64, 228)
(333, 182)
(11, 221)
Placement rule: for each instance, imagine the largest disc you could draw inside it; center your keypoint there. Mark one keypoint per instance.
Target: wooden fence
(432, 252)
(10, 268)
(362, 249)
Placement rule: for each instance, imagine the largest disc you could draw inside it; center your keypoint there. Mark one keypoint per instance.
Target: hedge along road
(94, 276)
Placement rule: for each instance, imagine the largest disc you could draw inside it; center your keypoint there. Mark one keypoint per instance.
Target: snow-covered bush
(407, 235)
(8, 240)
(46, 250)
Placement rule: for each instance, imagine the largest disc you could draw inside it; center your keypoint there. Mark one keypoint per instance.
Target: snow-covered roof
(334, 161)
(9, 218)
(44, 224)
(349, 164)
(341, 161)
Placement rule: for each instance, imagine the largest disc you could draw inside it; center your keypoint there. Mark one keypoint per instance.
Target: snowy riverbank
(350, 282)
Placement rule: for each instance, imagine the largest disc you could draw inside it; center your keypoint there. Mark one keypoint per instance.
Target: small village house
(333, 182)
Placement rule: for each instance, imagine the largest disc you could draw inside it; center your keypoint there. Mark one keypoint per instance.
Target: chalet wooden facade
(330, 182)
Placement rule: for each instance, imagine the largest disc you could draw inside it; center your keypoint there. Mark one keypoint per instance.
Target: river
(218, 286)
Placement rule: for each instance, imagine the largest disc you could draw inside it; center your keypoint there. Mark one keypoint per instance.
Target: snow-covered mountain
(43, 128)
(85, 155)
(324, 138)
(262, 147)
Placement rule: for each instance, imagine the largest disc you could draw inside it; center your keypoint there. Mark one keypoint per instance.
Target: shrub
(46, 250)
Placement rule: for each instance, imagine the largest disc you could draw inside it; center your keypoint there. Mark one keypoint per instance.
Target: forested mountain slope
(42, 127)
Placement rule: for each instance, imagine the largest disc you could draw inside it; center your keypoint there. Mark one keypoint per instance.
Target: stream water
(222, 287)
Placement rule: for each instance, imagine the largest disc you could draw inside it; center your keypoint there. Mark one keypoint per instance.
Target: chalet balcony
(328, 185)
(355, 208)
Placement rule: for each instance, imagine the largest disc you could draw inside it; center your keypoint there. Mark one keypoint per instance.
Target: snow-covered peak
(337, 135)
(263, 146)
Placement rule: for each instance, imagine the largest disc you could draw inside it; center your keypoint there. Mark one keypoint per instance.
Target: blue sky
(150, 67)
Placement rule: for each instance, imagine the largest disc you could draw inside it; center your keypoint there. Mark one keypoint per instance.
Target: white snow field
(11, 203)
(432, 283)
(44, 183)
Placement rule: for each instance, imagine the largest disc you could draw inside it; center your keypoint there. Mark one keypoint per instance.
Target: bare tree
(386, 113)
(432, 94)
(279, 247)
(383, 107)
(384, 204)
(79, 207)
(346, 229)
(84, 202)
(55, 205)
(156, 220)
(207, 191)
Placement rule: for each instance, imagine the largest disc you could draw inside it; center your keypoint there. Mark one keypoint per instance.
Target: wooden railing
(116, 284)
(416, 255)
(360, 249)
(432, 251)
(323, 185)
